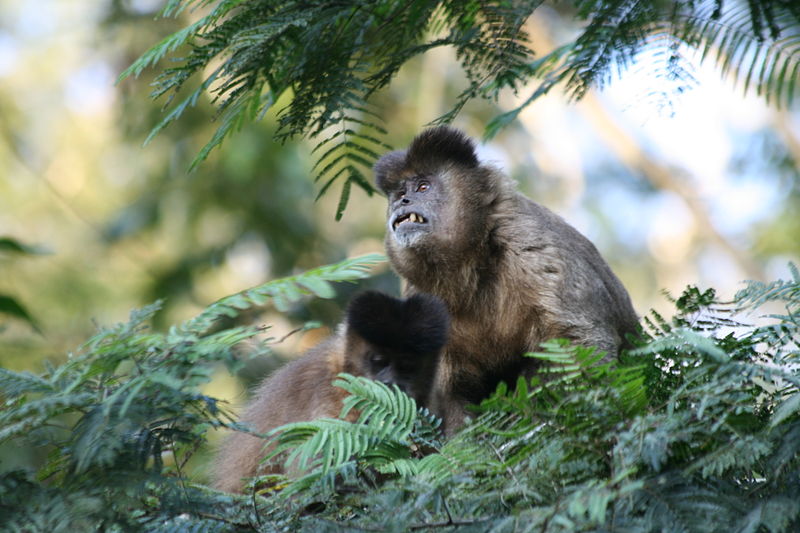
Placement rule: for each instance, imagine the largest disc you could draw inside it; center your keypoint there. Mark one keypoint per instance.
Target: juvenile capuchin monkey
(512, 273)
(394, 341)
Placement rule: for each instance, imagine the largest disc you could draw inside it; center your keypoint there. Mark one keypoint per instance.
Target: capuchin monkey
(512, 273)
(396, 342)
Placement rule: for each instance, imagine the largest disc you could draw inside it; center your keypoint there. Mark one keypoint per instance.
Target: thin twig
(255, 507)
(296, 330)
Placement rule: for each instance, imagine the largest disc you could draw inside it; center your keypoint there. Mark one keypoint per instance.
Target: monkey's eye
(378, 359)
(423, 186)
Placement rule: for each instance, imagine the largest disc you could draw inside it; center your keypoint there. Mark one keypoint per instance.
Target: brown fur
(300, 390)
(512, 273)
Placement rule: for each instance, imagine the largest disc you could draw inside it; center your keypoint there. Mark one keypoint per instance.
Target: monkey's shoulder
(302, 384)
(547, 258)
(542, 240)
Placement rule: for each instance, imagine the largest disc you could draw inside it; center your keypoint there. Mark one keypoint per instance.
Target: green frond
(348, 154)
(386, 408)
(764, 62)
(155, 54)
(30, 415)
(234, 116)
(756, 43)
(332, 58)
(427, 432)
(757, 293)
(387, 438)
(19, 383)
(436, 468)
(684, 339)
(282, 292)
(742, 453)
(326, 442)
(381, 434)
(125, 412)
(771, 514)
(551, 70)
(786, 409)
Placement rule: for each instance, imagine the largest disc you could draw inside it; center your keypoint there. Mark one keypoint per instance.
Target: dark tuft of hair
(443, 143)
(431, 148)
(386, 167)
(417, 325)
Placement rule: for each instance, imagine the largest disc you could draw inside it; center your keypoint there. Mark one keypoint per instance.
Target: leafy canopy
(329, 58)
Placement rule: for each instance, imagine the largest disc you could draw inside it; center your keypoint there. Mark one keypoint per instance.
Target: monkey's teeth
(411, 217)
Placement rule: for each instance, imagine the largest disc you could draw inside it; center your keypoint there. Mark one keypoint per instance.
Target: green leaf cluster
(757, 44)
(328, 58)
(390, 433)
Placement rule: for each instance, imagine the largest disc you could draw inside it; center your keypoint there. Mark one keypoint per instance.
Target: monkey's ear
(418, 325)
(443, 143)
(388, 167)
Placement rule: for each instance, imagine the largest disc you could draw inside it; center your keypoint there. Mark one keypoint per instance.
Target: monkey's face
(412, 373)
(438, 195)
(396, 341)
(416, 209)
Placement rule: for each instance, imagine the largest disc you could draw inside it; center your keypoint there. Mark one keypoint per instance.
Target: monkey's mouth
(408, 217)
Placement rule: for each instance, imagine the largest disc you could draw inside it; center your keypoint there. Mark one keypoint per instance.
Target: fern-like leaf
(284, 291)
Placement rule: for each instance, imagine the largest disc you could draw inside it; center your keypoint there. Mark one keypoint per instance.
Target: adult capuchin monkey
(512, 273)
(396, 342)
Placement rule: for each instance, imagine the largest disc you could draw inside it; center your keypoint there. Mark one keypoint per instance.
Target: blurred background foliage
(674, 186)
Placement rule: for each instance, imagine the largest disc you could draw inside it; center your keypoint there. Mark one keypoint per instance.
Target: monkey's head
(396, 341)
(439, 194)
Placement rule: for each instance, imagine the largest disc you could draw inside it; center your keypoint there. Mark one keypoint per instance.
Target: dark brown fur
(512, 273)
(383, 338)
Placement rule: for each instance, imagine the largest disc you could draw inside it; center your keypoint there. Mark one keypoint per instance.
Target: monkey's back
(298, 391)
(579, 289)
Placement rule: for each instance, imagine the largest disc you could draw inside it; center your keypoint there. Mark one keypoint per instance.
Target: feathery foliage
(123, 415)
(757, 44)
(282, 292)
(697, 428)
(328, 58)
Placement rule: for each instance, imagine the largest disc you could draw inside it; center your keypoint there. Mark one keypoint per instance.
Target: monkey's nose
(405, 201)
